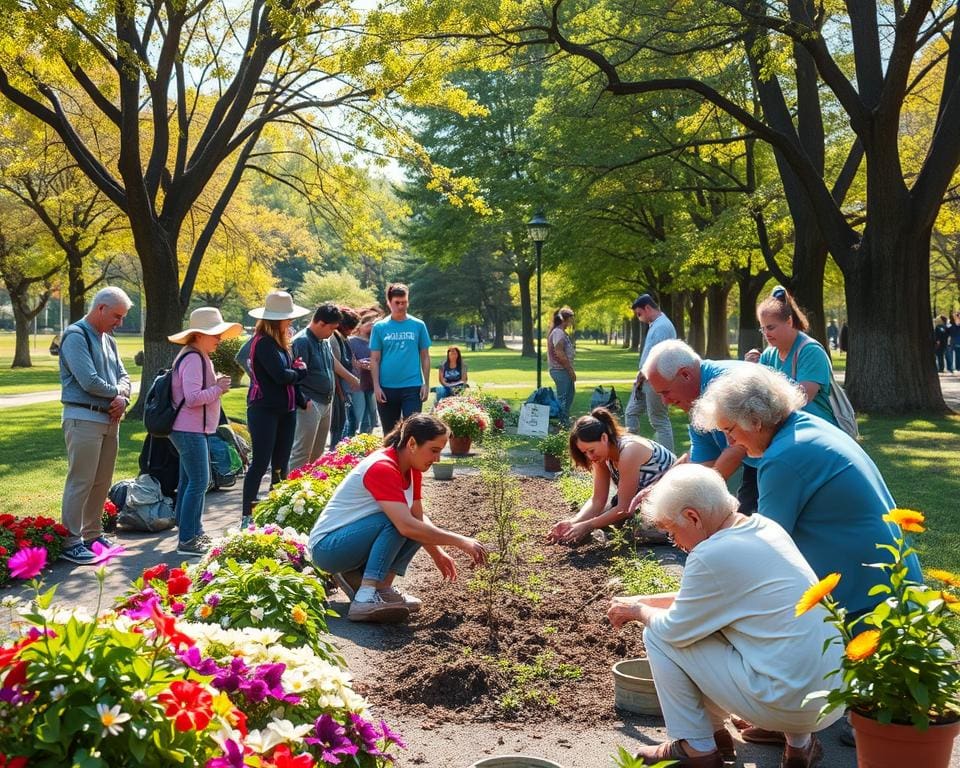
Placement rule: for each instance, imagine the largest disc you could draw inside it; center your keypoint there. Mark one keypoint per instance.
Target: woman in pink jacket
(196, 391)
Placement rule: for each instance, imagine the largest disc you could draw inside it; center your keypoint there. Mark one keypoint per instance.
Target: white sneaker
(378, 610)
(394, 595)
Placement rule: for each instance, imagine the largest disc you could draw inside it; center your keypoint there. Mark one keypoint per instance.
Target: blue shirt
(821, 486)
(707, 446)
(399, 344)
(812, 365)
(660, 329)
(91, 372)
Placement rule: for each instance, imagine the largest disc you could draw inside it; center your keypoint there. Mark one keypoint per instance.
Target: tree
(885, 255)
(342, 288)
(192, 88)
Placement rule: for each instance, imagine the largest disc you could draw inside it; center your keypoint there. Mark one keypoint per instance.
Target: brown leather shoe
(757, 735)
(673, 750)
(725, 745)
(807, 757)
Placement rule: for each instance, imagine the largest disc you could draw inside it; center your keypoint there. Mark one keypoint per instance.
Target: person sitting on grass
(374, 524)
(729, 639)
(452, 374)
(629, 463)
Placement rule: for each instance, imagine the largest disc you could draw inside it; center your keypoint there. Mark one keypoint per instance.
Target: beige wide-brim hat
(208, 321)
(278, 306)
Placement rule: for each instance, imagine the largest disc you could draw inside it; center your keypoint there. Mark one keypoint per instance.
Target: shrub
(285, 545)
(224, 356)
(555, 444)
(463, 417)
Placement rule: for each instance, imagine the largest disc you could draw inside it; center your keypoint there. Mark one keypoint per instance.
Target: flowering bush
(555, 444)
(20, 533)
(108, 518)
(463, 417)
(263, 594)
(296, 503)
(499, 413)
(359, 445)
(284, 545)
(900, 665)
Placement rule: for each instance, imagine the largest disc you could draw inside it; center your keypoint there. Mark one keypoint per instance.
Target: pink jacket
(196, 369)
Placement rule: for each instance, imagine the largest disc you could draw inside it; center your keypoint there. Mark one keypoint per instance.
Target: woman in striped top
(628, 462)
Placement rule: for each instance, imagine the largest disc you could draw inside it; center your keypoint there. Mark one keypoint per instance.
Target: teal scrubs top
(813, 364)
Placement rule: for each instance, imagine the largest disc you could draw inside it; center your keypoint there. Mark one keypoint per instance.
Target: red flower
(178, 585)
(157, 572)
(283, 759)
(109, 507)
(167, 627)
(60, 530)
(12, 762)
(17, 675)
(48, 537)
(6, 520)
(189, 703)
(3, 551)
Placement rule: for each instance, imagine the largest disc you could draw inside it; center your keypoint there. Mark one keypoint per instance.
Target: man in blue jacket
(95, 392)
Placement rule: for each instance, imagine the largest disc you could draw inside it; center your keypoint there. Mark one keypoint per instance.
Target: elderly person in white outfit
(729, 641)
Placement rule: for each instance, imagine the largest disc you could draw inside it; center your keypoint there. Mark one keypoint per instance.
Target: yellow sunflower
(908, 519)
(945, 576)
(817, 592)
(298, 614)
(863, 645)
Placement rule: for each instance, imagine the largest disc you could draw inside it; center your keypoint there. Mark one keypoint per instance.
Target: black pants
(748, 494)
(271, 437)
(338, 420)
(401, 402)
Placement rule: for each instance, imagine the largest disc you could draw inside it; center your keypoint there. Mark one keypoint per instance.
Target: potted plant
(224, 359)
(465, 419)
(443, 470)
(899, 676)
(554, 448)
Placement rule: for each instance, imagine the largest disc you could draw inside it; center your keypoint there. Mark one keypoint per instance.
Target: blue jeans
(360, 415)
(401, 402)
(194, 479)
(566, 389)
(371, 543)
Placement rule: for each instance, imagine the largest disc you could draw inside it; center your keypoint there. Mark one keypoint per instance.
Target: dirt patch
(552, 649)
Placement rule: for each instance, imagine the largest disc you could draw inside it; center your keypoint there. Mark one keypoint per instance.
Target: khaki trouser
(91, 455)
(313, 427)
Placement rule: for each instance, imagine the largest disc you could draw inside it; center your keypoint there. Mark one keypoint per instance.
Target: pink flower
(105, 554)
(27, 563)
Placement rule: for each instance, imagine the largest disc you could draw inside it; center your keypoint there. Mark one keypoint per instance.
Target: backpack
(839, 402)
(159, 412)
(142, 506)
(225, 463)
(546, 396)
(603, 397)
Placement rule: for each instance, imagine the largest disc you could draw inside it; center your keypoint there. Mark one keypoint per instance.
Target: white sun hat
(208, 321)
(279, 306)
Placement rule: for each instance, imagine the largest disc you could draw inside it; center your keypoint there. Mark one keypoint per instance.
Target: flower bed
(463, 416)
(135, 686)
(20, 533)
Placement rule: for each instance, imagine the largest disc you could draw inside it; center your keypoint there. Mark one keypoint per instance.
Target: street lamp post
(538, 229)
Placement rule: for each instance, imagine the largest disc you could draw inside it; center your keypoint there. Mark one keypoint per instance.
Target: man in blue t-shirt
(399, 360)
(679, 376)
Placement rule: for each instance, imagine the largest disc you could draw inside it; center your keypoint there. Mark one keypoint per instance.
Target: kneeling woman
(374, 523)
(729, 640)
(629, 462)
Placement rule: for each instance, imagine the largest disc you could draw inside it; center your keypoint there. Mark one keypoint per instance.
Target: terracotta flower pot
(460, 446)
(552, 463)
(895, 746)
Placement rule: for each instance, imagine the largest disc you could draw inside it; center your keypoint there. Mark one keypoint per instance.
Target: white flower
(263, 741)
(256, 614)
(289, 732)
(139, 696)
(58, 692)
(225, 622)
(214, 567)
(10, 602)
(112, 719)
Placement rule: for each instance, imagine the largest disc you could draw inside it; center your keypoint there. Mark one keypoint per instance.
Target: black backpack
(159, 412)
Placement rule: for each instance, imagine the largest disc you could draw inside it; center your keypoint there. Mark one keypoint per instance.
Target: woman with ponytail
(798, 356)
(560, 356)
(629, 462)
(374, 524)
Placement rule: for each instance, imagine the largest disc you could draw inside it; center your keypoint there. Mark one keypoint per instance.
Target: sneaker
(193, 548)
(394, 595)
(79, 554)
(349, 582)
(807, 757)
(378, 611)
(245, 522)
(103, 540)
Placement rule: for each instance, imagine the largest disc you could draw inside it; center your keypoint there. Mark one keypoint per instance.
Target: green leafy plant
(249, 545)
(462, 416)
(224, 356)
(264, 594)
(555, 444)
(641, 575)
(900, 665)
(576, 487)
(624, 759)
(535, 680)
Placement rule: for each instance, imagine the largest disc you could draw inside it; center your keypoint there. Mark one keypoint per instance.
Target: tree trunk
(499, 342)
(696, 337)
(717, 346)
(890, 366)
(627, 327)
(806, 284)
(749, 336)
(77, 288)
(635, 334)
(21, 353)
(527, 321)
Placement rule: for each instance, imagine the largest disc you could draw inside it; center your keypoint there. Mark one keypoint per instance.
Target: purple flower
(27, 563)
(206, 577)
(213, 599)
(391, 736)
(105, 554)
(144, 609)
(191, 657)
(367, 733)
(332, 740)
(232, 758)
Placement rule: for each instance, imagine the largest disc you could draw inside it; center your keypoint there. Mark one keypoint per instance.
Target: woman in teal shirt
(813, 479)
(798, 356)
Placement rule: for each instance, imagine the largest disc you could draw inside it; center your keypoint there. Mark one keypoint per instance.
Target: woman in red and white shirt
(374, 523)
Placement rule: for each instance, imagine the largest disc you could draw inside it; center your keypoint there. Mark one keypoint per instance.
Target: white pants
(701, 684)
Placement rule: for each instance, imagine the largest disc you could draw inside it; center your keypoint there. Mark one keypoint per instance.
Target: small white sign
(534, 420)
